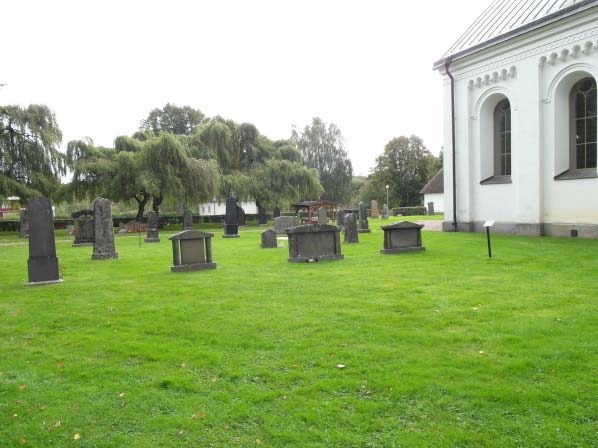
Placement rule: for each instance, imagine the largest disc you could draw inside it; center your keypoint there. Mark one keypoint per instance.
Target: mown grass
(441, 348)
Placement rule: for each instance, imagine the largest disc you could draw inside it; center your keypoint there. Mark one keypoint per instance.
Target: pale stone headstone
(269, 239)
(322, 215)
(192, 251)
(351, 233)
(385, 211)
(152, 228)
(103, 244)
(84, 228)
(374, 212)
(23, 223)
(187, 220)
(42, 263)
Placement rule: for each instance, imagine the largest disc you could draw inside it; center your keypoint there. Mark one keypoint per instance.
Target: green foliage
(409, 211)
(322, 147)
(405, 166)
(172, 119)
(30, 162)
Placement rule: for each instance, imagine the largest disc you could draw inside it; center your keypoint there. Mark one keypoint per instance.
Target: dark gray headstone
(261, 216)
(276, 212)
(374, 211)
(363, 225)
(192, 251)
(283, 223)
(231, 219)
(24, 223)
(340, 216)
(351, 233)
(314, 242)
(103, 243)
(153, 235)
(187, 220)
(42, 263)
(84, 228)
(430, 208)
(402, 237)
(322, 215)
(269, 240)
(242, 216)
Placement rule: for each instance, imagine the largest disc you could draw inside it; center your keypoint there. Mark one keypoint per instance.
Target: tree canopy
(30, 162)
(322, 148)
(172, 119)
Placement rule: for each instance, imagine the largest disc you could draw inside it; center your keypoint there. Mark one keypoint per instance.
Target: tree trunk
(141, 205)
(156, 202)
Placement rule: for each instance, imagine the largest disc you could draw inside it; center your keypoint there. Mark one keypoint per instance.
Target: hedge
(409, 211)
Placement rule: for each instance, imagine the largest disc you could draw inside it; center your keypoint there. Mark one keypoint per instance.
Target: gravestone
(242, 216)
(261, 216)
(103, 242)
(231, 219)
(152, 228)
(70, 230)
(42, 263)
(314, 242)
(276, 212)
(24, 223)
(282, 223)
(363, 226)
(322, 215)
(374, 212)
(192, 251)
(385, 211)
(302, 216)
(351, 233)
(84, 228)
(340, 216)
(430, 208)
(402, 237)
(188, 220)
(269, 239)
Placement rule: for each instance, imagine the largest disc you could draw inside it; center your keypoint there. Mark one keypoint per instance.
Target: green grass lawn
(441, 348)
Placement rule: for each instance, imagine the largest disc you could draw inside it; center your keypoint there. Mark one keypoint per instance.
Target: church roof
(505, 19)
(435, 185)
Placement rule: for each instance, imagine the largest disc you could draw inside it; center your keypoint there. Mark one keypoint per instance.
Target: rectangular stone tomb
(42, 263)
(192, 251)
(402, 237)
(314, 242)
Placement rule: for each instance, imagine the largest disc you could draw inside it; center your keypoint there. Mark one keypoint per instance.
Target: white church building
(520, 106)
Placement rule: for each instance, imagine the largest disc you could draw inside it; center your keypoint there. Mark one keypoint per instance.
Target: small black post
(488, 237)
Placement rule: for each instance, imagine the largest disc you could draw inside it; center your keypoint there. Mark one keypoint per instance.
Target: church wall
(527, 72)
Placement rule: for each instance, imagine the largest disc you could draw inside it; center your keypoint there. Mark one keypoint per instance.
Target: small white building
(520, 106)
(433, 192)
(218, 208)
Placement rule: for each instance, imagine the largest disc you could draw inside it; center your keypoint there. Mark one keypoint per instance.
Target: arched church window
(584, 122)
(502, 138)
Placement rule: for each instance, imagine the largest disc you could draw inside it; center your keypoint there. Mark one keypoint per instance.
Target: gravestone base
(193, 267)
(231, 236)
(43, 270)
(151, 240)
(231, 231)
(364, 231)
(400, 250)
(106, 256)
(316, 259)
(82, 244)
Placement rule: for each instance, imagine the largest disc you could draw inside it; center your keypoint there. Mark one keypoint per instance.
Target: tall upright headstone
(84, 228)
(42, 263)
(231, 219)
(276, 212)
(322, 215)
(363, 226)
(261, 216)
(187, 220)
(242, 216)
(103, 244)
(152, 228)
(23, 223)
(430, 208)
(374, 211)
(385, 211)
(351, 233)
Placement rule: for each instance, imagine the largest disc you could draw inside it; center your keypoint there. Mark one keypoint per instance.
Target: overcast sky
(366, 66)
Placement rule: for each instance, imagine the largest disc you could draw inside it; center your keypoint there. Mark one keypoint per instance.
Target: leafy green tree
(406, 165)
(322, 147)
(172, 119)
(30, 162)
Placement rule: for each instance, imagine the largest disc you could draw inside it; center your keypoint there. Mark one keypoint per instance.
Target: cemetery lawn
(440, 348)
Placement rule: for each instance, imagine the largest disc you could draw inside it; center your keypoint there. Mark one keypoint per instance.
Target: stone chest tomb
(314, 242)
(192, 251)
(402, 237)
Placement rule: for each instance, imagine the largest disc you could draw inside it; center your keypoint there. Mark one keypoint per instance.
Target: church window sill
(588, 173)
(496, 180)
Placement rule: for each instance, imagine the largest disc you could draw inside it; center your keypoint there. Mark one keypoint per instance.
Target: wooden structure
(311, 207)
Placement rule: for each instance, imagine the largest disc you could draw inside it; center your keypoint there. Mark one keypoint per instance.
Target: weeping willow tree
(30, 163)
